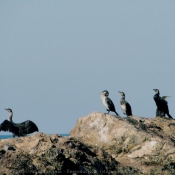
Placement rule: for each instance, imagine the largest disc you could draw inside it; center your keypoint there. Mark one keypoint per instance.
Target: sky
(56, 57)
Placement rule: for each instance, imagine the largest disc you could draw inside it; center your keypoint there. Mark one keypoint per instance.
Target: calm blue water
(10, 136)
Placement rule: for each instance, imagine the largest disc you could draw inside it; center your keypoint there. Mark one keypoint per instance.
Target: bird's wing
(28, 127)
(162, 100)
(165, 97)
(163, 105)
(128, 108)
(7, 126)
(110, 104)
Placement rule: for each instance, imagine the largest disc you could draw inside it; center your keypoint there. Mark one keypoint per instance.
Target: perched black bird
(125, 106)
(107, 102)
(18, 129)
(162, 105)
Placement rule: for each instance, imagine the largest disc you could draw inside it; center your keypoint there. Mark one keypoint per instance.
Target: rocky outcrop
(53, 154)
(98, 144)
(145, 144)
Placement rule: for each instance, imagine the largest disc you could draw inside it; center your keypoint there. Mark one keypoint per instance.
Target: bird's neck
(10, 116)
(103, 96)
(157, 94)
(123, 98)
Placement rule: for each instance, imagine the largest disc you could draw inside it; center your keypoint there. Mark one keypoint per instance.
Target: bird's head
(156, 90)
(8, 110)
(122, 93)
(105, 93)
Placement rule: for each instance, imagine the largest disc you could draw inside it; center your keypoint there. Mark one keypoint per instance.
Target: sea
(10, 136)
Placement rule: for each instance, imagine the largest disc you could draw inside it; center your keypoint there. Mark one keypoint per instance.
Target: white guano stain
(101, 128)
(103, 133)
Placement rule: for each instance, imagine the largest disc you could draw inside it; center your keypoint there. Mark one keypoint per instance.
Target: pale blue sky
(57, 56)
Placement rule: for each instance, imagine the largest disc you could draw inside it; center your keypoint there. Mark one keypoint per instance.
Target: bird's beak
(154, 89)
(5, 109)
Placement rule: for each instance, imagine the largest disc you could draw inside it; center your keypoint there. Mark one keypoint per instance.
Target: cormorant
(162, 105)
(107, 102)
(18, 129)
(125, 106)
(160, 113)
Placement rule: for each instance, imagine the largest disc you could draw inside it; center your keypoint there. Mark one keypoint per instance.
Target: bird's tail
(116, 113)
(170, 116)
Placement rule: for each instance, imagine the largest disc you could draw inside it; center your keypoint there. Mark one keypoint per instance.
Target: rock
(143, 144)
(53, 154)
(98, 144)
